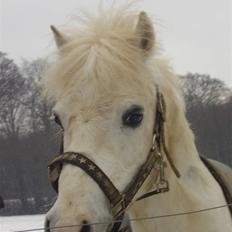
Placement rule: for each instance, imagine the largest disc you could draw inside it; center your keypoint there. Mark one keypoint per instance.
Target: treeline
(209, 111)
(29, 138)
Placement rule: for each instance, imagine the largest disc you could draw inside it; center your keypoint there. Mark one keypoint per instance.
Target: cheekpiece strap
(159, 130)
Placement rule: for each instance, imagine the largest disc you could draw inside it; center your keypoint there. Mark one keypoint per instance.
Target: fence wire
(132, 219)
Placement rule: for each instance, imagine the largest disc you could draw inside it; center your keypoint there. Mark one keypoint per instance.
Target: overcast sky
(195, 34)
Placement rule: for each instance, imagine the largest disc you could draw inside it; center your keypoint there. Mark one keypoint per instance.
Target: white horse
(104, 87)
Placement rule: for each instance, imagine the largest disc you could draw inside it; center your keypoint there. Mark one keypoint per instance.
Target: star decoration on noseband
(82, 160)
(91, 167)
(99, 175)
(72, 157)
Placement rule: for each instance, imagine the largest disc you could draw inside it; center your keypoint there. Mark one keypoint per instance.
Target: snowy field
(20, 223)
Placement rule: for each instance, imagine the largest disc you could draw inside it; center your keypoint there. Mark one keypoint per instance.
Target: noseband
(120, 201)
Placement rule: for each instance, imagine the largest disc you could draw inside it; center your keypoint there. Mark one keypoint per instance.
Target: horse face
(107, 114)
(116, 138)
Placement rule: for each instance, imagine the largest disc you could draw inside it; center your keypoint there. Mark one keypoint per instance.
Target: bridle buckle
(162, 186)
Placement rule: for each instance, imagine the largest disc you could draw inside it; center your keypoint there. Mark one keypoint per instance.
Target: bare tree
(204, 90)
(40, 111)
(12, 94)
(208, 104)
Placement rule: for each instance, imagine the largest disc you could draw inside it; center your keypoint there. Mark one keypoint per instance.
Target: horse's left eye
(133, 117)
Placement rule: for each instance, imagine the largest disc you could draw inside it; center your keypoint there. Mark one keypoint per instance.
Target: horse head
(104, 95)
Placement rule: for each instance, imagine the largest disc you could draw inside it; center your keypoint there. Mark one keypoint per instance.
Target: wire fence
(132, 219)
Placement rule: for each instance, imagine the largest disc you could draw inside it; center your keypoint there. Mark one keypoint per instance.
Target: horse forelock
(102, 54)
(103, 50)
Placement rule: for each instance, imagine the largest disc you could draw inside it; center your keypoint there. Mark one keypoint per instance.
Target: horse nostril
(47, 225)
(85, 227)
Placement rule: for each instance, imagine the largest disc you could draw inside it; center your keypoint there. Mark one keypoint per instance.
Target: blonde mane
(104, 50)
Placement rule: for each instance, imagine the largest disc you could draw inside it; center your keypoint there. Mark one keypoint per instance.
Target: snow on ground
(19, 223)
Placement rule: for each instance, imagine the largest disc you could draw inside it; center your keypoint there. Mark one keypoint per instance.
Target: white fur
(99, 73)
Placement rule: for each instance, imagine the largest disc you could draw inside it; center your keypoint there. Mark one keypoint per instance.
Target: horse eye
(57, 120)
(133, 117)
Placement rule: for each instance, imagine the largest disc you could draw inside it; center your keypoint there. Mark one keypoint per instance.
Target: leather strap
(119, 201)
(89, 167)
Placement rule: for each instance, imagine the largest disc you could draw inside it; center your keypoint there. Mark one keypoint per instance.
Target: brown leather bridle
(120, 201)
